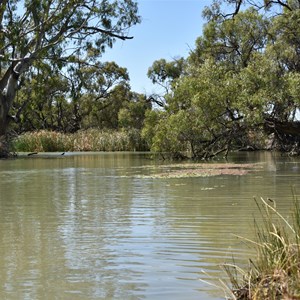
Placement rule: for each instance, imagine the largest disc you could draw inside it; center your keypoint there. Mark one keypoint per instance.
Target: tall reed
(87, 140)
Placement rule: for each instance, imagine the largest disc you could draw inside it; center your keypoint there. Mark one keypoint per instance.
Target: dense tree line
(48, 52)
(84, 96)
(238, 89)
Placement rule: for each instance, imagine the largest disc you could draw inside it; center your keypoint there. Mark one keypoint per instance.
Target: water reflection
(85, 227)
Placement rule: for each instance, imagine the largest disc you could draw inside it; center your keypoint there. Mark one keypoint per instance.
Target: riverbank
(276, 272)
(84, 140)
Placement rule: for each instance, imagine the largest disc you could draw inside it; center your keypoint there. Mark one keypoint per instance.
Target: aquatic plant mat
(201, 170)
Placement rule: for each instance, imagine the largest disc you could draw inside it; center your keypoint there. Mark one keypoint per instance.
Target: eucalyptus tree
(232, 41)
(86, 95)
(281, 57)
(203, 116)
(91, 90)
(240, 86)
(230, 8)
(42, 101)
(103, 112)
(206, 108)
(133, 111)
(164, 74)
(55, 30)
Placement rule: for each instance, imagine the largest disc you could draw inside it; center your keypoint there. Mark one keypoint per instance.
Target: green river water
(91, 226)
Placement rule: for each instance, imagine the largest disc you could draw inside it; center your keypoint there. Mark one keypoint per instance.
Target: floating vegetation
(201, 170)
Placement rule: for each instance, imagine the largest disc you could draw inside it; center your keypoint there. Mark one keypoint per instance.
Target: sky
(169, 29)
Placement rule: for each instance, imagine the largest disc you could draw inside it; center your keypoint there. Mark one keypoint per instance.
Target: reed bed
(85, 140)
(275, 275)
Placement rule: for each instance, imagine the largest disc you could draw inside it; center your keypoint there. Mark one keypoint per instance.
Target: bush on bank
(87, 140)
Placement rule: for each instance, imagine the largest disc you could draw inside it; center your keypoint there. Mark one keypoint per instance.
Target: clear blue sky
(169, 29)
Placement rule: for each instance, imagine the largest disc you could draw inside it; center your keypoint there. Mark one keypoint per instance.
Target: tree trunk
(4, 122)
(3, 115)
(8, 89)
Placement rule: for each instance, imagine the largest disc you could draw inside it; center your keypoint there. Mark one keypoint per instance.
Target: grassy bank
(88, 140)
(275, 274)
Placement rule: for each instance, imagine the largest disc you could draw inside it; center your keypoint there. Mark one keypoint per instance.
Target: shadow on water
(87, 226)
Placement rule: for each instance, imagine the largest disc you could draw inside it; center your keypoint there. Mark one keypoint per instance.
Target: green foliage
(232, 41)
(39, 34)
(151, 125)
(42, 101)
(201, 113)
(132, 114)
(241, 79)
(163, 72)
(90, 96)
(174, 125)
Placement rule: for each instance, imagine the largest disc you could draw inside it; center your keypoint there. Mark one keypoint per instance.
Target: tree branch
(281, 4)
(94, 30)
(237, 8)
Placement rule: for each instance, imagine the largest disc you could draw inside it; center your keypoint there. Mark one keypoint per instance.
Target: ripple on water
(92, 229)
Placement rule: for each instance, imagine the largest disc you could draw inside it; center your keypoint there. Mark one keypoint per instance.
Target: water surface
(90, 226)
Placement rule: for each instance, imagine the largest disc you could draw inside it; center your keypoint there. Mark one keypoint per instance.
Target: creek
(99, 226)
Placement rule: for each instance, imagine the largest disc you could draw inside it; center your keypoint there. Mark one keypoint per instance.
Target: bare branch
(94, 30)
